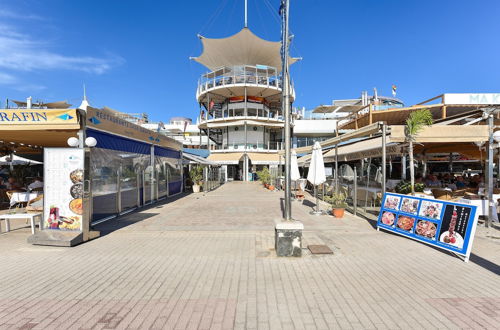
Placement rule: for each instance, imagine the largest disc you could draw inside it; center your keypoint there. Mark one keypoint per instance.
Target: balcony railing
(245, 75)
(250, 146)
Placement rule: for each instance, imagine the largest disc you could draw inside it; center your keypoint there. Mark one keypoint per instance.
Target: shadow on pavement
(136, 216)
(486, 264)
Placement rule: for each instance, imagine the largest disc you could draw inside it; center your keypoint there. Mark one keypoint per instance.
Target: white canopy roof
(243, 48)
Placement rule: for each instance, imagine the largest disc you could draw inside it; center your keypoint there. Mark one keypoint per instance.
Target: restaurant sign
(38, 117)
(472, 98)
(63, 195)
(444, 224)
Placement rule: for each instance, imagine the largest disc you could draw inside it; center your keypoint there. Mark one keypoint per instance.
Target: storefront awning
(197, 160)
(371, 148)
(264, 158)
(444, 133)
(232, 158)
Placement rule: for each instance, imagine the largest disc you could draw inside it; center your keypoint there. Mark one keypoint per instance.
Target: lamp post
(285, 6)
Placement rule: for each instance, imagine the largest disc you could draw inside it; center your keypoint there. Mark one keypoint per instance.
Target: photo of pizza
(426, 229)
(76, 206)
(388, 218)
(405, 223)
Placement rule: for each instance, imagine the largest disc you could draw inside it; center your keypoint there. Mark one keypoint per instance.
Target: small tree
(414, 124)
(196, 174)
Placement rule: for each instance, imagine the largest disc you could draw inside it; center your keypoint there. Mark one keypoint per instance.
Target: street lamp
(73, 142)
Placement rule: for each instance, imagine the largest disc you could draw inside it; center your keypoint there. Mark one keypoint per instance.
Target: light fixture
(73, 142)
(90, 142)
(496, 136)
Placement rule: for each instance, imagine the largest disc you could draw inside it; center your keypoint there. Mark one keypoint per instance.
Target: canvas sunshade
(231, 158)
(444, 133)
(264, 158)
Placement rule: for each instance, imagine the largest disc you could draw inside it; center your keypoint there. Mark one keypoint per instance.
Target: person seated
(2, 184)
(460, 182)
(432, 181)
(37, 183)
(12, 184)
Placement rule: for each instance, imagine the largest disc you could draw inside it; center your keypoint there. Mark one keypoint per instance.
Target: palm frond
(416, 122)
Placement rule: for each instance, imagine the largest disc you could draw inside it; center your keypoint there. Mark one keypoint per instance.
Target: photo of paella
(76, 206)
(426, 229)
(405, 223)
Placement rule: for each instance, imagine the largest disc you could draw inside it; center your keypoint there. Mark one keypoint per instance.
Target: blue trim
(197, 152)
(166, 152)
(115, 142)
(174, 187)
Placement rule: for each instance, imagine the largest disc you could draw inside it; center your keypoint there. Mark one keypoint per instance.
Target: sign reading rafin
(471, 98)
(38, 117)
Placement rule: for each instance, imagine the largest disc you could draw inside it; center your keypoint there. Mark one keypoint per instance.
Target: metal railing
(250, 146)
(240, 75)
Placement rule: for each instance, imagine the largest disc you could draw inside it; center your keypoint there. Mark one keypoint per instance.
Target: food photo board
(63, 195)
(444, 224)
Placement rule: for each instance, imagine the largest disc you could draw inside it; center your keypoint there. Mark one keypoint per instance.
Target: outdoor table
(31, 216)
(22, 197)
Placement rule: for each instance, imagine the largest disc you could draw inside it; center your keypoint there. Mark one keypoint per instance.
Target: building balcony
(248, 147)
(261, 81)
(237, 120)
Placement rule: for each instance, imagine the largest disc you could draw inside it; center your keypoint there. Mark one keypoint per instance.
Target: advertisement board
(63, 191)
(444, 224)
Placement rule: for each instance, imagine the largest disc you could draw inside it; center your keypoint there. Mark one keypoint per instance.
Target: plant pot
(196, 188)
(271, 187)
(338, 213)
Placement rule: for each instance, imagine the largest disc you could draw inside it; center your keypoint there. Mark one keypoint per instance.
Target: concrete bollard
(288, 238)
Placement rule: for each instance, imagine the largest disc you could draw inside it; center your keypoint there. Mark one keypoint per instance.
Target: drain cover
(319, 249)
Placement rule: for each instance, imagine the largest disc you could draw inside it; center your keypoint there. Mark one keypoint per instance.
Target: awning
(365, 131)
(242, 48)
(264, 158)
(232, 158)
(193, 159)
(370, 148)
(444, 133)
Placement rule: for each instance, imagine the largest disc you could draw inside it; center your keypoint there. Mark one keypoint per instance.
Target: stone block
(288, 239)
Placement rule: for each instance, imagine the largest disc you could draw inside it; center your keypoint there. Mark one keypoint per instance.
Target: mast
(246, 13)
(285, 105)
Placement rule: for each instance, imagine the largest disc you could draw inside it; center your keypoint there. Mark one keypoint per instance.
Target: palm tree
(414, 124)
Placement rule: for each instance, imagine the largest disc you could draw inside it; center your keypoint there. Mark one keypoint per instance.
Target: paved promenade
(208, 262)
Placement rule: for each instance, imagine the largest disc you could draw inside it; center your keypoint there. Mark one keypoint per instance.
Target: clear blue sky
(133, 55)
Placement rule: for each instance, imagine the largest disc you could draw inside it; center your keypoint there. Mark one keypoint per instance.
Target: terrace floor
(208, 262)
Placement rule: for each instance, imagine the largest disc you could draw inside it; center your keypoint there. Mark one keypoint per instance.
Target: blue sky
(133, 55)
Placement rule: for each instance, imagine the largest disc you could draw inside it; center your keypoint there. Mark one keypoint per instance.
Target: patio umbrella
(316, 175)
(294, 173)
(17, 160)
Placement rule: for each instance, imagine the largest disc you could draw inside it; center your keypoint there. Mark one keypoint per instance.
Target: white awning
(370, 148)
(193, 159)
(243, 48)
(264, 158)
(231, 158)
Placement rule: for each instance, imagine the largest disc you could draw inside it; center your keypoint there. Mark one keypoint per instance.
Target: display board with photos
(444, 224)
(63, 195)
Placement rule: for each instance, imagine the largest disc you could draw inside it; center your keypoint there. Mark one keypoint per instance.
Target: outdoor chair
(35, 205)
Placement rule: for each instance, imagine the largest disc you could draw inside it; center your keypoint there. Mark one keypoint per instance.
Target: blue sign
(443, 224)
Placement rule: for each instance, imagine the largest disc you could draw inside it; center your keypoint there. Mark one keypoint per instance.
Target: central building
(240, 103)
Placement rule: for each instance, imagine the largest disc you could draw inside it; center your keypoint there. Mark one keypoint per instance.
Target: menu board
(445, 224)
(63, 195)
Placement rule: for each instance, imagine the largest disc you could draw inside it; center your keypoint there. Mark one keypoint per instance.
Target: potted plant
(264, 176)
(338, 201)
(196, 174)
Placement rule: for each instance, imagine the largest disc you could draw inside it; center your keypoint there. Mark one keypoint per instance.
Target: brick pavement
(207, 262)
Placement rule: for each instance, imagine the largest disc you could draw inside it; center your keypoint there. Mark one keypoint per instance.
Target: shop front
(111, 167)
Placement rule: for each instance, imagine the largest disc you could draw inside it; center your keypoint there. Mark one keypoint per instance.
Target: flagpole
(285, 8)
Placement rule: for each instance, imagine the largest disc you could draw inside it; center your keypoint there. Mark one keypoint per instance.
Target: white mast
(246, 13)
